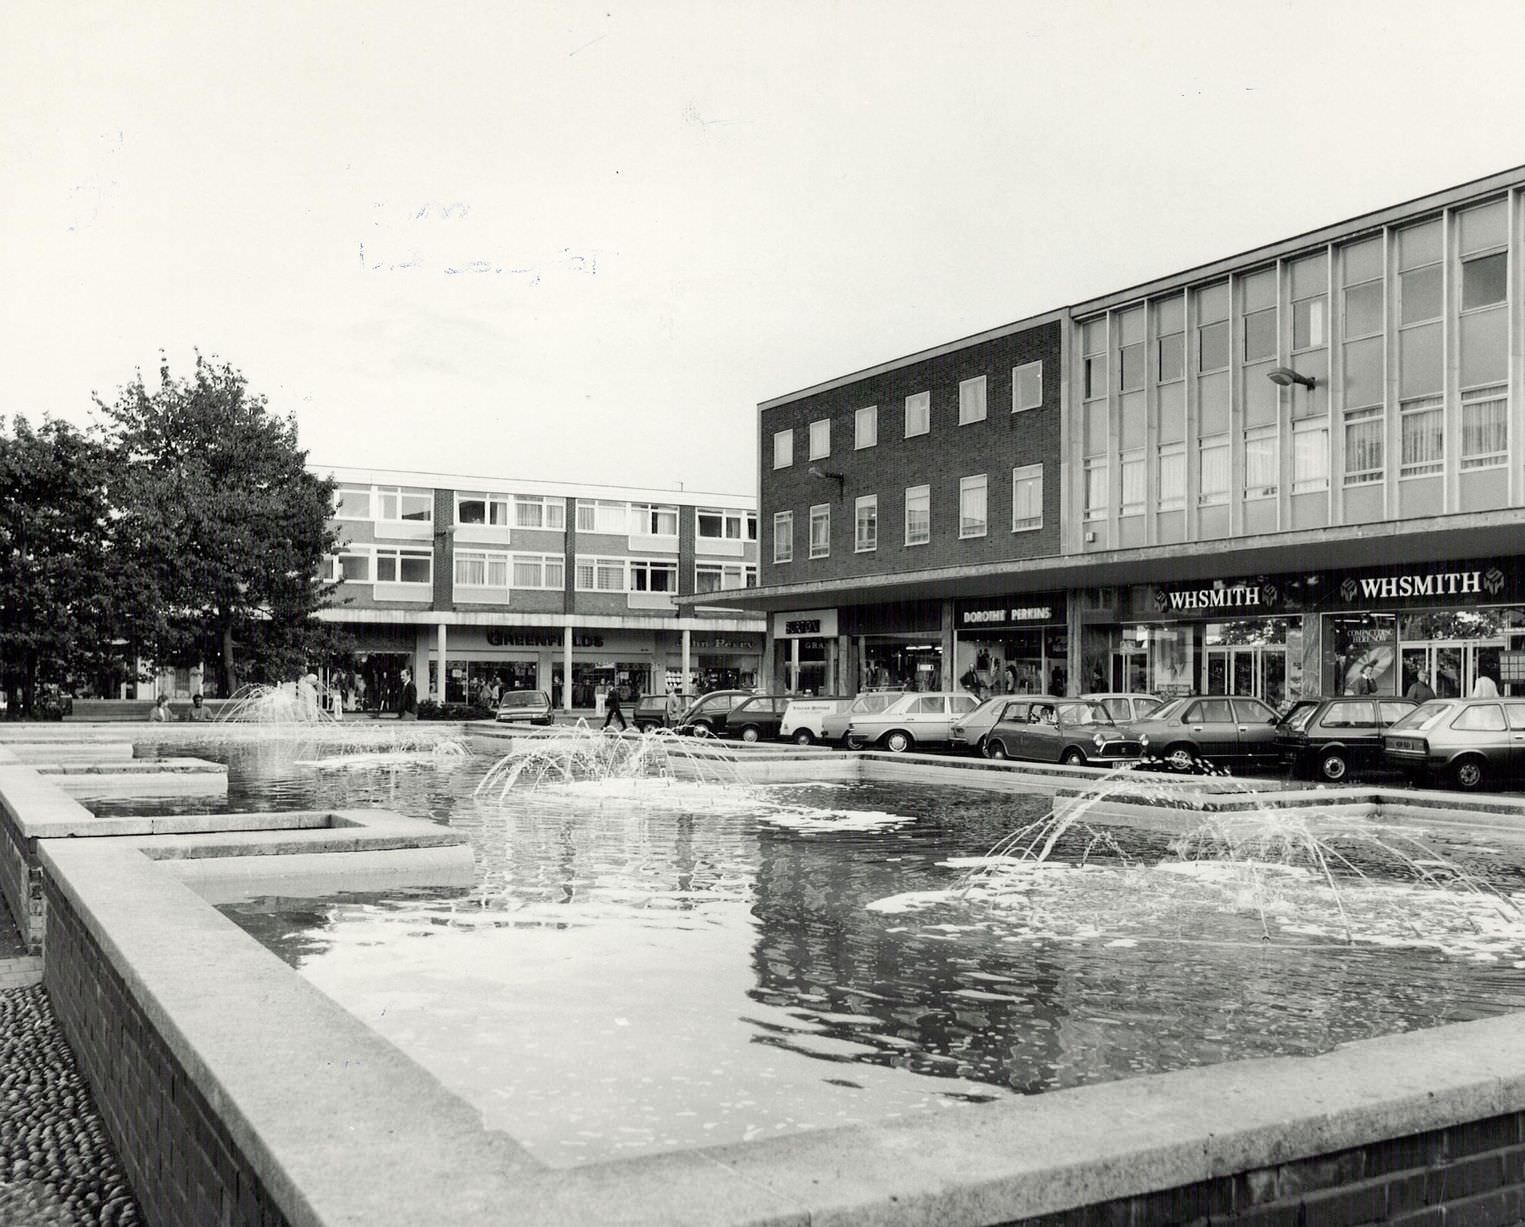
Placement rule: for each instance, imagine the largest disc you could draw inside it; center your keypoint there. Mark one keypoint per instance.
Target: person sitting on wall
(162, 712)
(198, 710)
(407, 705)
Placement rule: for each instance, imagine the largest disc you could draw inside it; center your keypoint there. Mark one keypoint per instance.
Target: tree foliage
(226, 528)
(61, 588)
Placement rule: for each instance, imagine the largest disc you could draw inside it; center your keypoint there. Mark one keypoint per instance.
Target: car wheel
(898, 741)
(995, 750)
(648, 727)
(1332, 766)
(1469, 773)
(750, 733)
(1180, 758)
(701, 728)
(804, 737)
(1073, 757)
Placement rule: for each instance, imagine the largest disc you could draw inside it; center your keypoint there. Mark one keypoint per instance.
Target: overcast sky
(582, 241)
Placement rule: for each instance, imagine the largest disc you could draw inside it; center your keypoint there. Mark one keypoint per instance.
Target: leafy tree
(226, 526)
(59, 582)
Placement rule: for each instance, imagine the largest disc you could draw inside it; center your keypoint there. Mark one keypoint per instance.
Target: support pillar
(1072, 636)
(687, 671)
(421, 660)
(566, 668)
(439, 672)
(949, 621)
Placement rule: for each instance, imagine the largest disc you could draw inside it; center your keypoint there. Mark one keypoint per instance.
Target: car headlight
(1098, 740)
(1143, 740)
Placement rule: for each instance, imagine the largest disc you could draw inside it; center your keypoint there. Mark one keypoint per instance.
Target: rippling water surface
(646, 965)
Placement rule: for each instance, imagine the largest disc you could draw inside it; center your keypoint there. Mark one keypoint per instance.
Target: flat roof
(533, 486)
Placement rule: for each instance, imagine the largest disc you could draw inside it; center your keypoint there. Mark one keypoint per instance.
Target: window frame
(598, 564)
(1365, 415)
(921, 492)
(1431, 406)
(783, 520)
(544, 563)
(1018, 374)
(972, 403)
(1254, 491)
(382, 493)
(923, 403)
(1471, 398)
(1214, 497)
(783, 445)
(820, 542)
(967, 486)
(819, 450)
(488, 501)
(1300, 430)
(1032, 475)
(648, 567)
(396, 555)
(870, 503)
(870, 414)
(552, 509)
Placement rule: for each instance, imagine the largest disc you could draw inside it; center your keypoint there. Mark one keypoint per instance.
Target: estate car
(1466, 741)
(917, 719)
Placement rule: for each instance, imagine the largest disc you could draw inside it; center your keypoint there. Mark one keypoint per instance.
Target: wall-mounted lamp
(1285, 377)
(816, 471)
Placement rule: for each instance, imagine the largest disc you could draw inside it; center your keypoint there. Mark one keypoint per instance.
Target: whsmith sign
(1254, 596)
(1028, 609)
(1424, 584)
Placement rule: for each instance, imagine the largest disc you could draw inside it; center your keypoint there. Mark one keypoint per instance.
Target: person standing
(1419, 691)
(407, 705)
(1485, 687)
(612, 708)
(1366, 684)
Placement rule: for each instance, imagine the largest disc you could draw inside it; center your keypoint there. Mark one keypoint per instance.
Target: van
(803, 718)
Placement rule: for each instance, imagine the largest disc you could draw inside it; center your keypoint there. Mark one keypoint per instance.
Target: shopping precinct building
(1259, 476)
(555, 586)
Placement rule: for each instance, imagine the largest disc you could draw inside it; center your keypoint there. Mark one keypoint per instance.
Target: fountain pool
(658, 963)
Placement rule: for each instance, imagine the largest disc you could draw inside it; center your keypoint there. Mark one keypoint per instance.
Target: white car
(912, 721)
(803, 718)
(834, 724)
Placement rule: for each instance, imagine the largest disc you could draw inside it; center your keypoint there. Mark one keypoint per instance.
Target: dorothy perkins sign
(1028, 609)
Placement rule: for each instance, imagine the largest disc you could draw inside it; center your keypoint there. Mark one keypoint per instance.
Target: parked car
(803, 718)
(834, 724)
(705, 713)
(1331, 736)
(1467, 741)
(524, 707)
(968, 732)
(1226, 730)
(650, 711)
(1125, 708)
(1049, 730)
(755, 718)
(911, 721)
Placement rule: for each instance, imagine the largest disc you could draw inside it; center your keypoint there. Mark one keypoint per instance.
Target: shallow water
(654, 965)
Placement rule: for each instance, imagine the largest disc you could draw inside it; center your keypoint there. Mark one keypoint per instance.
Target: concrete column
(439, 671)
(421, 660)
(687, 671)
(949, 621)
(765, 679)
(1072, 627)
(566, 668)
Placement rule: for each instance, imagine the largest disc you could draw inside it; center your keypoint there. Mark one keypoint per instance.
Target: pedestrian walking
(612, 708)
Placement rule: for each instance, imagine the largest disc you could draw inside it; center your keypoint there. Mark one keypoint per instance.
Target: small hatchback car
(1328, 738)
(1068, 731)
(1464, 741)
(706, 713)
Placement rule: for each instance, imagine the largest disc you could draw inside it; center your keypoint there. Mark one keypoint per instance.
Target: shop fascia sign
(805, 624)
(1260, 594)
(1031, 610)
(1418, 584)
(719, 643)
(510, 637)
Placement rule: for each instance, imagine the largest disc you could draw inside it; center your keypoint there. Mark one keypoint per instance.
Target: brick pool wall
(183, 1166)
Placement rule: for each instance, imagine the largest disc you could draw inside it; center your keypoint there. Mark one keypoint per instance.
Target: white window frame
(395, 555)
(783, 536)
(1472, 257)
(743, 522)
(1216, 448)
(551, 568)
(645, 568)
(488, 560)
(820, 439)
(385, 494)
(595, 573)
(553, 512)
(1019, 375)
(604, 516)
(1170, 495)
(820, 530)
(355, 551)
(1362, 416)
(866, 543)
(918, 414)
(1097, 475)
(1026, 493)
(490, 502)
(922, 494)
(1253, 437)
(1432, 407)
(1310, 479)
(1471, 399)
(367, 492)
(967, 486)
(866, 427)
(783, 448)
(645, 518)
(971, 400)
(729, 576)
(1134, 479)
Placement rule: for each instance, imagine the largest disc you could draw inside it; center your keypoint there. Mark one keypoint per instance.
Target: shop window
(397, 503)
(1364, 438)
(1133, 484)
(783, 536)
(783, 449)
(1212, 471)
(866, 427)
(1260, 335)
(1172, 477)
(1484, 280)
(918, 515)
(539, 571)
(1485, 427)
(649, 576)
(1422, 436)
(1026, 498)
(1310, 457)
(866, 524)
(972, 506)
(1027, 387)
(481, 569)
(820, 530)
(1262, 463)
(533, 512)
(820, 439)
(485, 509)
(404, 567)
(352, 503)
(918, 414)
(971, 400)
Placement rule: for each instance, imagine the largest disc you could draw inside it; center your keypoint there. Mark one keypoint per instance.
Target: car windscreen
(875, 702)
(1167, 711)
(1084, 713)
(523, 698)
(1425, 716)
(1300, 717)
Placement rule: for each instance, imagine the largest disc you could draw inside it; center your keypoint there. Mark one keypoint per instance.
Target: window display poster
(1361, 653)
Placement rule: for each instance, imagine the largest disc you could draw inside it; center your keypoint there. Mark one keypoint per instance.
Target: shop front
(1011, 645)
(895, 646)
(805, 651)
(718, 662)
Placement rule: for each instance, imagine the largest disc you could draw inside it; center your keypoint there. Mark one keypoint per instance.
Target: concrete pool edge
(132, 935)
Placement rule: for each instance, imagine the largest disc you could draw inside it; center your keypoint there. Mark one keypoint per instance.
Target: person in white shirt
(1485, 687)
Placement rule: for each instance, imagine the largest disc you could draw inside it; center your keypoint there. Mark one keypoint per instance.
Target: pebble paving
(57, 1167)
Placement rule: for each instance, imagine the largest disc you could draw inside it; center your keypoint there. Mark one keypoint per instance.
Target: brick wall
(1471, 1173)
(184, 1168)
(1001, 442)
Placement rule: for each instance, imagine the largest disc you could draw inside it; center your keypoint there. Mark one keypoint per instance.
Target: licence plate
(1405, 745)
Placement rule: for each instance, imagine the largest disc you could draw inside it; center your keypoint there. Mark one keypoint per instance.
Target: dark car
(755, 718)
(1331, 736)
(1071, 731)
(1465, 741)
(650, 711)
(704, 715)
(524, 707)
(1225, 730)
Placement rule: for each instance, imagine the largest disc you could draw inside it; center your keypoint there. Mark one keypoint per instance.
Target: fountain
(582, 756)
(305, 703)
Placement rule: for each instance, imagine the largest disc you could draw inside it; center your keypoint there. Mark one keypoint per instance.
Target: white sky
(663, 213)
